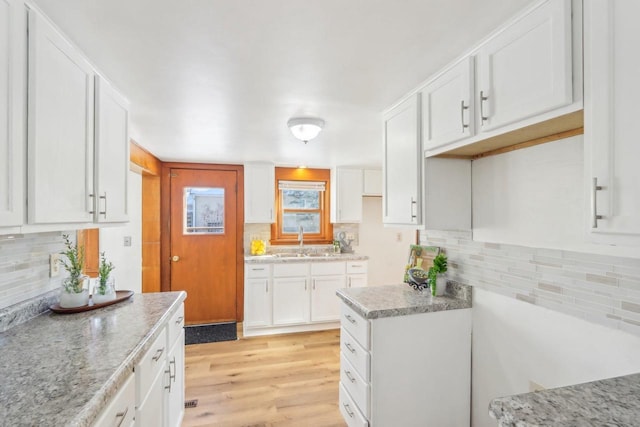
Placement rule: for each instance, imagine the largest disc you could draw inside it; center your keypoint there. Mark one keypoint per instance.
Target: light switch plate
(54, 265)
(127, 240)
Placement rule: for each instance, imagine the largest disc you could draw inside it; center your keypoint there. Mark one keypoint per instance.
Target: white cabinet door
(447, 106)
(258, 305)
(527, 68)
(111, 154)
(325, 305)
(372, 185)
(60, 130)
(402, 166)
(259, 192)
(151, 411)
(356, 280)
(290, 300)
(174, 391)
(12, 99)
(346, 200)
(612, 91)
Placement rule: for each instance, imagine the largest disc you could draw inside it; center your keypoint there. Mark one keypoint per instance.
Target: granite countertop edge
(611, 401)
(270, 259)
(101, 399)
(456, 297)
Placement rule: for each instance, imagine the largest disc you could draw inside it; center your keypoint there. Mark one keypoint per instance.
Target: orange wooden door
(203, 243)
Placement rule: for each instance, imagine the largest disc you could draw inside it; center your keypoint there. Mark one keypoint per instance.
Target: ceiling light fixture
(305, 128)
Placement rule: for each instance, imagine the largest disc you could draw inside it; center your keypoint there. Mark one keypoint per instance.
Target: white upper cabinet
(447, 106)
(12, 95)
(346, 195)
(60, 130)
(372, 182)
(612, 91)
(402, 166)
(526, 69)
(111, 154)
(259, 192)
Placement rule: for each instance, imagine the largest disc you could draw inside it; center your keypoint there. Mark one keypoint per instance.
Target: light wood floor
(281, 380)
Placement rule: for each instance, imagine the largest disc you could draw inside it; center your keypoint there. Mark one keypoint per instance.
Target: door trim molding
(165, 232)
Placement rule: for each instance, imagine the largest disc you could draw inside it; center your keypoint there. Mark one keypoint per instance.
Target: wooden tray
(120, 296)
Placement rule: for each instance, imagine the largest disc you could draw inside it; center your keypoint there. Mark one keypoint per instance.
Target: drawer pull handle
(168, 387)
(350, 319)
(172, 376)
(122, 416)
(351, 377)
(158, 354)
(257, 269)
(351, 349)
(348, 409)
(179, 320)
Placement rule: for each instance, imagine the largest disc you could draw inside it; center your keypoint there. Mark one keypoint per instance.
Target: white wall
(387, 248)
(515, 342)
(127, 259)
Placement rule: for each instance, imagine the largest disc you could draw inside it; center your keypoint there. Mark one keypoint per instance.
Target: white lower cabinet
(294, 297)
(121, 410)
(396, 371)
(159, 393)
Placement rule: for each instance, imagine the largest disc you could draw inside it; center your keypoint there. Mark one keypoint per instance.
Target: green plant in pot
(104, 291)
(437, 280)
(73, 293)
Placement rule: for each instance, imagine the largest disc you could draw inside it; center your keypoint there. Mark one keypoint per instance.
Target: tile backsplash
(24, 266)
(598, 288)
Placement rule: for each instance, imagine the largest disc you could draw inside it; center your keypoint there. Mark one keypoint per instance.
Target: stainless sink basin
(299, 255)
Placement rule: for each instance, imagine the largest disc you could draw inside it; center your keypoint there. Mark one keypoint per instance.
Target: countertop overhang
(62, 369)
(275, 259)
(374, 302)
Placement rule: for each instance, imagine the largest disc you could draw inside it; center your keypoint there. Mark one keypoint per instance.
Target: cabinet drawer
(254, 271)
(356, 267)
(175, 326)
(327, 268)
(353, 351)
(290, 270)
(122, 408)
(356, 325)
(357, 387)
(350, 411)
(152, 363)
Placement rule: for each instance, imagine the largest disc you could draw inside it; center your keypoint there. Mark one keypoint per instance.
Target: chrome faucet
(301, 238)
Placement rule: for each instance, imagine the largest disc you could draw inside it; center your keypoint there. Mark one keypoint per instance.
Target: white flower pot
(72, 299)
(105, 294)
(441, 284)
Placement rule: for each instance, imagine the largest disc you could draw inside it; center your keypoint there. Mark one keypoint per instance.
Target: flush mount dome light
(305, 128)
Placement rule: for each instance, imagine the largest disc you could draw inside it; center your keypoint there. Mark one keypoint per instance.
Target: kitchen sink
(300, 255)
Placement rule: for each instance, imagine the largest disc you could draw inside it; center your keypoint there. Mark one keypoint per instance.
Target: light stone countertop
(610, 402)
(272, 259)
(62, 369)
(374, 302)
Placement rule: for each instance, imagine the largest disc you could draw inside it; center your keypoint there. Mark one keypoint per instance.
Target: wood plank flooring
(279, 380)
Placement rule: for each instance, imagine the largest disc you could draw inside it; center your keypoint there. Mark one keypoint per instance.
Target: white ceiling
(216, 80)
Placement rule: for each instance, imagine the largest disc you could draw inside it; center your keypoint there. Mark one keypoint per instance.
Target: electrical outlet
(350, 236)
(399, 237)
(54, 265)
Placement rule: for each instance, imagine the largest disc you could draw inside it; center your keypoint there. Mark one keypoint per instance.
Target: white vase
(106, 293)
(441, 284)
(73, 299)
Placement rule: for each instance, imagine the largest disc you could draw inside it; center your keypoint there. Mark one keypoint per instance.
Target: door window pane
(203, 210)
(310, 222)
(300, 199)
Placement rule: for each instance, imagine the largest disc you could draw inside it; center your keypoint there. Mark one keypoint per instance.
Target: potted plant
(437, 279)
(73, 293)
(105, 290)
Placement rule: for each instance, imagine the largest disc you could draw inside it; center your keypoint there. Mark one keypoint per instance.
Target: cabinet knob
(175, 258)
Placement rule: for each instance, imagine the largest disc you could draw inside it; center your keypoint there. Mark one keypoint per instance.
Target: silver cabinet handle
(266, 286)
(351, 349)
(104, 212)
(122, 416)
(305, 284)
(348, 409)
(482, 99)
(158, 354)
(314, 284)
(93, 204)
(172, 376)
(351, 378)
(349, 281)
(350, 319)
(594, 203)
(179, 320)
(462, 108)
(413, 203)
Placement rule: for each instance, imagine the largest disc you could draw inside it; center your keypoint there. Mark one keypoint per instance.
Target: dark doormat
(201, 334)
